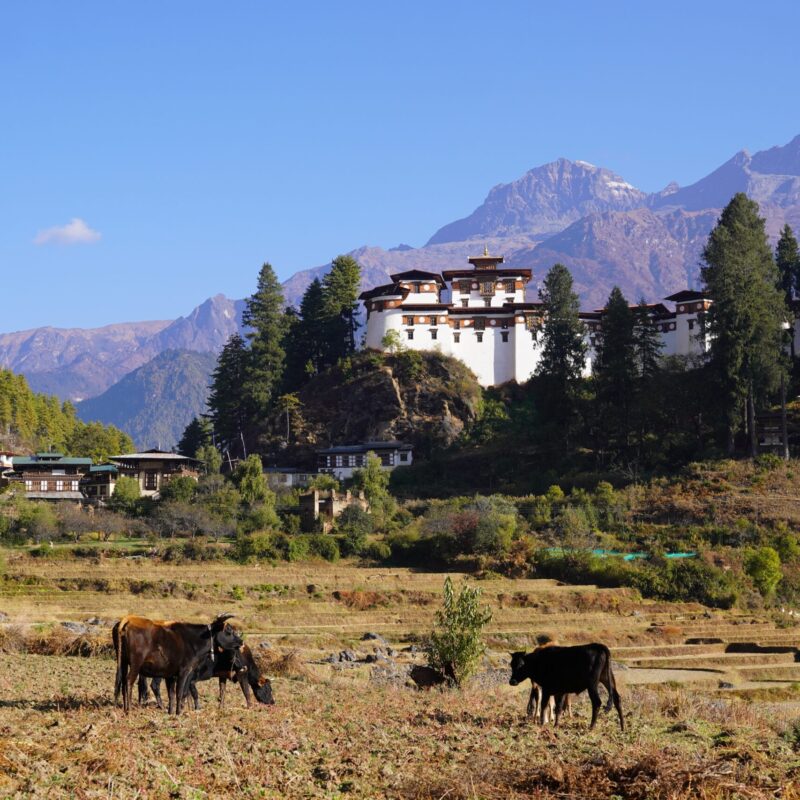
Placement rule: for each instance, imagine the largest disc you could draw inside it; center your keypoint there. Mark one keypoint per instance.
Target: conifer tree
(264, 315)
(647, 344)
(340, 289)
(747, 314)
(227, 404)
(563, 348)
(787, 259)
(615, 370)
(195, 435)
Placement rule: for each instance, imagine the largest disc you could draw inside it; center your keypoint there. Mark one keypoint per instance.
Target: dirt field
(354, 729)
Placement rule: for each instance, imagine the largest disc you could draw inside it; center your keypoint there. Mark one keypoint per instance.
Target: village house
(287, 478)
(99, 482)
(50, 476)
(153, 469)
(319, 509)
(480, 315)
(344, 460)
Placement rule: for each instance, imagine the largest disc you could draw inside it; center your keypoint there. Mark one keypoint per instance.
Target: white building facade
(480, 316)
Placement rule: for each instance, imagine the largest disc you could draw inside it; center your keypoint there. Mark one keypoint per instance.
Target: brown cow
(172, 650)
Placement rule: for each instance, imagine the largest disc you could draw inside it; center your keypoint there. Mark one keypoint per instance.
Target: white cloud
(76, 231)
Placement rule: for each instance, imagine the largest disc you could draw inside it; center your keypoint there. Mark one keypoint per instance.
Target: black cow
(568, 670)
(171, 650)
(230, 665)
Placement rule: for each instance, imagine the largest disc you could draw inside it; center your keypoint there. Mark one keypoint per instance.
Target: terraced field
(703, 719)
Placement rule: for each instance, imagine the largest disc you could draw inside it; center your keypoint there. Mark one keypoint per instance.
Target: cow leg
(155, 687)
(533, 701)
(245, 685)
(223, 683)
(552, 709)
(594, 696)
(184, 678)
(618, 706)
(544, 703)
(559, 707)
(195, 695)
(142, 686)
(172, 700)
(132, 679)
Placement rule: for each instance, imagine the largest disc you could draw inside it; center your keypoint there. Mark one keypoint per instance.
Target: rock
(725, 685)
(77, 628)
(311, 588)
(3, 616)
(617, 666)
(373, 637)
(331, 659)
(347, 655)
(391, 652)
(410, 649)
(265, 645)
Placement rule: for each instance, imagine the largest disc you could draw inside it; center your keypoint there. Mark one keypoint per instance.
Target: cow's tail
(611, 685)
(117, 637)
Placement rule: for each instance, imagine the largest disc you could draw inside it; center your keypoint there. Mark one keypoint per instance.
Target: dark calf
(568, 670)
(428, 677)
(230, 665)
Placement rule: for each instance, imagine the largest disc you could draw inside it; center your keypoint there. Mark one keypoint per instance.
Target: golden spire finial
(486, 249)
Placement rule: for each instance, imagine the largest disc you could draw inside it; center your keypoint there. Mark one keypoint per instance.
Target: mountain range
(604, 229)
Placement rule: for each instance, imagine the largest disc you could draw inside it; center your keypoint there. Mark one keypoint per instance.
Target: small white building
(287, 478)
(480, 316)
(343, 461)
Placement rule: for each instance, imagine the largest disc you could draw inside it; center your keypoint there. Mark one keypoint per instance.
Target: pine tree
(747, 314)
(647, 344)
(563, 348)
(227, 405)
(308, 344)
(787, 259)
(615, 371)
(646, 402)
(196, 434)
(340, 288)
(265, 317)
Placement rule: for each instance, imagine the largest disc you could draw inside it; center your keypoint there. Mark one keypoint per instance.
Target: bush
(269, 546)
(377, 551)
(764, 567)
(299, 548)
(356, 524)
(455, 645)
(324, 546)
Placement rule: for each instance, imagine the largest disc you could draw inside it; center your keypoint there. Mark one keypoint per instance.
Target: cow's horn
(223, 617)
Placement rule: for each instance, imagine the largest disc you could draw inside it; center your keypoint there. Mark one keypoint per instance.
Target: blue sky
(156, 153)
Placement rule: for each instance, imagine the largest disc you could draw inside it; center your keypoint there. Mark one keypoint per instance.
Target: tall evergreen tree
(646, 402)
(227, 404)
(563, 348)
(647, 344)
(264, 315)
(787, 259)
(340, 289)
(196, 434)
(307, 345)
(747, 314)
(615, 371)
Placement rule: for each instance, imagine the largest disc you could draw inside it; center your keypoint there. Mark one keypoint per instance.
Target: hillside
(425, 399)
(155, 402)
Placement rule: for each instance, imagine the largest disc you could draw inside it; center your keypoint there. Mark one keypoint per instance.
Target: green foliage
(324, 546)
(251, 482)
(126, 495)
(323, 482)
(373, 480)
(391, 342)
(210, 458)
(260, 547)
(764, 567)
(788, 547)
(306, 348)
(299, 548)
(787, 260)
(747, 315)
(377, 551)
(340, 289)
(455, 645)
(228, 407)
(409, 365)
(181, 489)
(195, 435)
(356, 525)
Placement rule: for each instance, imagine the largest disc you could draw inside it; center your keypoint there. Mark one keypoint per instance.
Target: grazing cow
(230, 665)
(535, 709)
(428, 677)
(171, 650)
(568, 670)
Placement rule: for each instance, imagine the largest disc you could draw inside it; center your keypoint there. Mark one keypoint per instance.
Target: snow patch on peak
(586, 164)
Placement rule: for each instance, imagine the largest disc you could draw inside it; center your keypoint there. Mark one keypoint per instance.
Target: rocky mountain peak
(543, 201)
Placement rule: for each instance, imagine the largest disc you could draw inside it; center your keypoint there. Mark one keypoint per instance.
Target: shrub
(377, 551)
(356, 524)
(456, 645)
(764, 567)
(270, 546)
(298, 549)
(324, 546)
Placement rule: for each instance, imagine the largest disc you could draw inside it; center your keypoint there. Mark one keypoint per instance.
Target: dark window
(409, 320)
(410, 334)
(504, 334)
(151, 479)
(487, 287)
(509, 286)
(434, 321)
(404, 456)
(480, 324)
(691, 324)
(457, 324)
(479, 334)
(464, 287)
(464, 303)
(434, 334)
(487, 302)
(456, 337)
(504, 324)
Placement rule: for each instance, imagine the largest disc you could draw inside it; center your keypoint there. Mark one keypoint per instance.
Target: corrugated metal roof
(62, 461)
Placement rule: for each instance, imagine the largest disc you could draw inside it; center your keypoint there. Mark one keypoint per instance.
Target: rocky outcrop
(425, 399)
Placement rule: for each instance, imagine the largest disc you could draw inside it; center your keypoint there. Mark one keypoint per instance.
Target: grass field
(342, 730)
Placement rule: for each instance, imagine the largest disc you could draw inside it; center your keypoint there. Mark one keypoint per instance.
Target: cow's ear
(262, 680)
